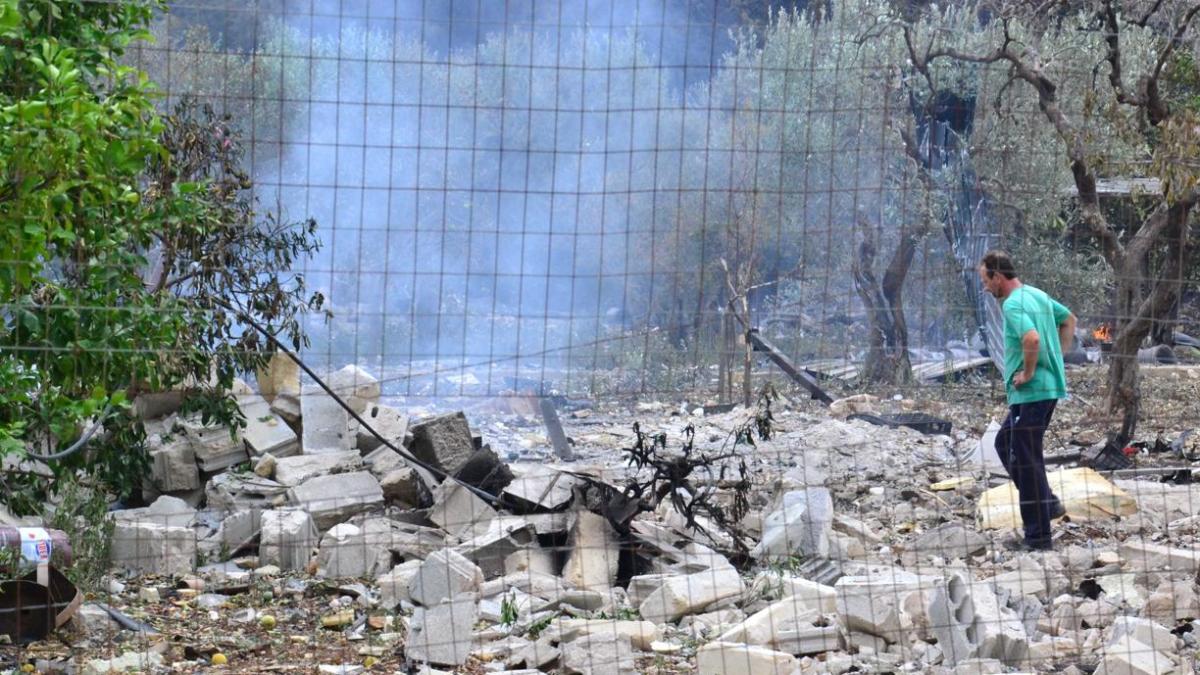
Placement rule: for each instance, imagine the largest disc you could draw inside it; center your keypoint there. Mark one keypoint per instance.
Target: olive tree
(1087, 91)
(837, 148)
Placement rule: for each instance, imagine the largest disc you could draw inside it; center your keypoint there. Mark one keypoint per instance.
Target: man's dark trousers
(1019, 445)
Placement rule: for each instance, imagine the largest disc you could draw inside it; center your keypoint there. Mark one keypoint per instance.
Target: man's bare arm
(1031, 344)
(1066, 333)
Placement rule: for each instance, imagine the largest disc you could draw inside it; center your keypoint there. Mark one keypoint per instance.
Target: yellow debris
(956, 483)
(1086, 495)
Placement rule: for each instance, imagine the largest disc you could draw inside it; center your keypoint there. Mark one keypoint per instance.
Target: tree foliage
(121, 227)
(1091, 92)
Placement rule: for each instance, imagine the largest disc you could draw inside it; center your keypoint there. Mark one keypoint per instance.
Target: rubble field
(783, 538)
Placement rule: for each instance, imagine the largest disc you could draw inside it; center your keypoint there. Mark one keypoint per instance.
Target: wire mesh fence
(598, 336)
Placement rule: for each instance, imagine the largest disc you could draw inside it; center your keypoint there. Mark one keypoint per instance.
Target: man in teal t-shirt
(1037, 328)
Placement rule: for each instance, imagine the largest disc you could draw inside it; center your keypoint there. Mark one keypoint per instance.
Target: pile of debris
(812, 545)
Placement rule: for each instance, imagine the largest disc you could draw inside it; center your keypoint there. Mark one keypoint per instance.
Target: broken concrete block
(531, 559)
(166, 511)
(403, 539)
(265, 431)
(281, 375)
(540, 653)
(492, 545)
(444, 442)
(728, 658)
(1028, 579)
(690, 593)
(875, 604)
(172, 463)
(1098, 613)
(215, 447)
(346, 552)
(296, 470)
(393, 586)
(152, 548)
(641, 586)
(800, 526)
(1044, 652)
(1000, 634)
(639, 633)
(239, 529)
(287, 406)
(809, 593)
(1172, 601)
(948, 541)
(485, 470)
(333, 499)
(711, 623)
(403, 486)
(979, 666)
(172, 458)
(401, 481)
(551, 523)
(150, 405)
(231, 492)
(264, 466)
(952, 616)
(541, 487)
(804, 640)
(595, 552)
(457, 509)
(969, 623)
(92, 620)
(1145, 556)
(1122, 588)
(1144, 631)
(764, 626)
(354, 385)
(444, 574)
(382, 460)
(492, 610)
(389, 422)
(1127, 656)
(288, 539)
(599, 654)
(443, 634)
(326, 423)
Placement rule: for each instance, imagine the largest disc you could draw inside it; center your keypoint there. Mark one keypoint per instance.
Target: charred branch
(666, 474)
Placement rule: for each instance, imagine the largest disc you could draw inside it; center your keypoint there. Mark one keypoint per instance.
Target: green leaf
(10, 17)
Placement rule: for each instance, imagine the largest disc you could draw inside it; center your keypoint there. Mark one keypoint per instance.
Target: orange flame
(1102, 333)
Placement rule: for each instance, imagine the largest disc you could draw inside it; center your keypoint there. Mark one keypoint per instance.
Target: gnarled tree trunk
(887, 357)
(1139, 303)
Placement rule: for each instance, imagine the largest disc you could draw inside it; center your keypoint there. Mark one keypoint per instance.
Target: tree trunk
(887, 358)
(1138, 305)
(747, 369)
(725, 356)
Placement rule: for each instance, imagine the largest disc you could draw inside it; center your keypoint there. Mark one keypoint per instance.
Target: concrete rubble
(847, 559)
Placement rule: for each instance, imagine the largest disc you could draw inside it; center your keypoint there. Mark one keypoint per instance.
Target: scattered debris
(776, 539)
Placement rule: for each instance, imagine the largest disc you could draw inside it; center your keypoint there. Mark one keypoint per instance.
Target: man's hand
(1021, 378)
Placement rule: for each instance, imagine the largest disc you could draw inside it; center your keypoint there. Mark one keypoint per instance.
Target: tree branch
(1156, 109)
(1081, 169)
(1171, 220)
(1112, 37)
(1149, 13)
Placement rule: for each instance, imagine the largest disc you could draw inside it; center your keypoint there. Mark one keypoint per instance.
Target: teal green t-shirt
(1029, 308)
